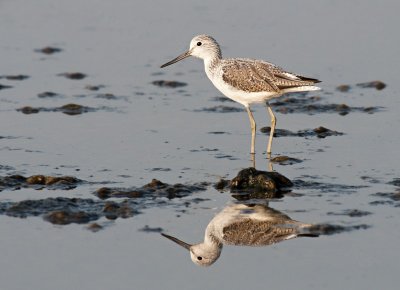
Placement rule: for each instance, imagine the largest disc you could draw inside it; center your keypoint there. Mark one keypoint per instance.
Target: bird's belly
(242, 97)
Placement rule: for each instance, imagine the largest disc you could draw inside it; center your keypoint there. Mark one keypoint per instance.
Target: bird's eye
(198, 44)
(199, 258)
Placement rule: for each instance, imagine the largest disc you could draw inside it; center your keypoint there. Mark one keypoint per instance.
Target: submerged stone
(285, 160)
(155, 188)
(168, 84)
(379, 85)
(63, 217)
(15, 77)
(49, 50)
(320, 132)
(73, 75)
(15, 182)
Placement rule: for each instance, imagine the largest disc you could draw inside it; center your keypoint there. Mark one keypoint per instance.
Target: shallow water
(138, 131)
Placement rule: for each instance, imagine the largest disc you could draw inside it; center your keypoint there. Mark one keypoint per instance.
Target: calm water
(146, 132)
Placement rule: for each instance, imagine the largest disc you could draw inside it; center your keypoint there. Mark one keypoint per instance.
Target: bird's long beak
(182, 56)
(179, 242)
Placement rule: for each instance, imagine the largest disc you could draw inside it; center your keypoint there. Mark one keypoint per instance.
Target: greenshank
(246, 81)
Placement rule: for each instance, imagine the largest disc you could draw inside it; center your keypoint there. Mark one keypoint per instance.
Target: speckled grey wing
(259, 76)
(246, 75)
(284, 79)
(257, 233)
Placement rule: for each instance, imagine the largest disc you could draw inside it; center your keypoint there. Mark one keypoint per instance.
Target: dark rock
(312, 105)
(49, 50)
(222, 184)
(395, 182)
(220, 109)
(379, 85)
(62, 217)
(74, 109)
(285, 160)
(323, 132)
(278, 132)
(94, 88)
(352, 213)
(395, 196)
(324, 187)
(113, 210)
(68, 109)
(28, 110)
(107, 96)
(38, 182)
(343, 88)
(320, 132)
(47, 95)
(328, 229)
(106, 192)
(94, 227)
(148, 229)
(2, 87)
(155, 188)
(15, 77)
(73, 75)
(253, 180)
(168, 84)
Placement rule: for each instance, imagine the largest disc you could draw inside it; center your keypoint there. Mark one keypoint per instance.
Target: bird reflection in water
(243, 225)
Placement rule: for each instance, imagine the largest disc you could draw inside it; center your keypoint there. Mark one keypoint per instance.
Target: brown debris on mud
(63, 210)
(168, 84)
(15, 182)
(14, 77)
(155, 188)
(320, 132)
(285, 160)
(73, 75)
(48, 50)
(68, 109)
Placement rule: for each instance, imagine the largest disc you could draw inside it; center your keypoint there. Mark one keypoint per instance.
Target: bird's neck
(211, 239)
(210, 64)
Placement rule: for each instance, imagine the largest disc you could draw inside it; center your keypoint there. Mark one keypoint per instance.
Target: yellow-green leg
(253, 130)
(271, 133)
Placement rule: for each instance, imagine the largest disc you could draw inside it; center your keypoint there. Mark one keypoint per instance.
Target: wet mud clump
(48, 95)
(48, 50)
(15, 182)
(73, 75)
(351, 213)
(324, 187)
(259, 184)
(285, 160)
(14, 77)
(113, 210)
(155, 188)
(63, 210)
(378, 85)
(320, 132)
(312, 105)
(220, 109)
(94, 88)
(168, 84)
(68, 109)
(329, 229)
(2, 87)
(63, 217)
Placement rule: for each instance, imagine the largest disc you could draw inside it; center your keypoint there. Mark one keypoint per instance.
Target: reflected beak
(179, 242)
(182, 56)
